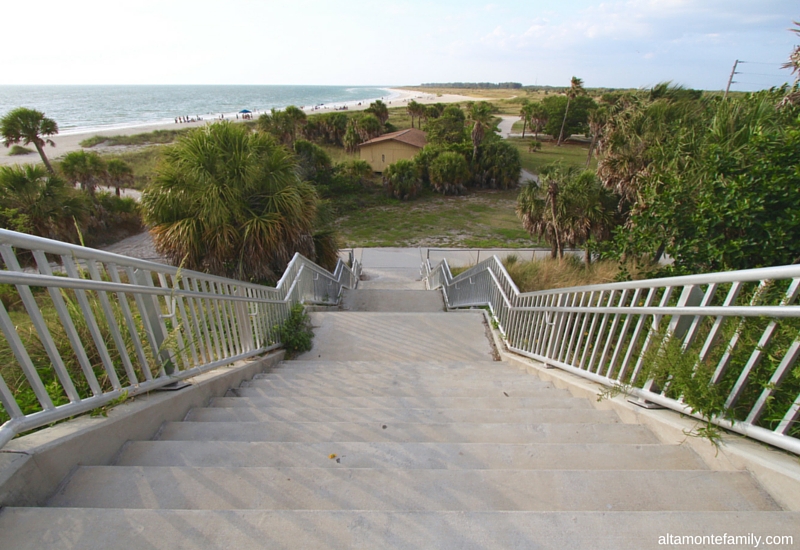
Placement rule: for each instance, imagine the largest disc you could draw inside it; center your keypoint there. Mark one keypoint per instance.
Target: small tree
(28, 126)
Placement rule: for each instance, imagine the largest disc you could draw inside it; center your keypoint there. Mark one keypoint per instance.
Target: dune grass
(147, 138)
(143, 161)
(531, 276)
(19, 150)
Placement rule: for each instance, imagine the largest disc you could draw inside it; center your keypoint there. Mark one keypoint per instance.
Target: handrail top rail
(743, 275)
(48, 246)
(35, 279)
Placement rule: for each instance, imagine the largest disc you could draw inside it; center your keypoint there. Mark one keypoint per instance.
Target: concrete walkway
(390, 268)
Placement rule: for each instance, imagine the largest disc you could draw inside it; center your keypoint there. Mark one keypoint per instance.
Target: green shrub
(449, 172)
(401, 181)
(295, 332)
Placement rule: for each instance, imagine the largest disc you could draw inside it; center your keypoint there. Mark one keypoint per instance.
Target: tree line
(710, 182)
(481, 85)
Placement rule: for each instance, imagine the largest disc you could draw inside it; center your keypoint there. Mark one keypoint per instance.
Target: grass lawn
(481, 218)
(571, 154)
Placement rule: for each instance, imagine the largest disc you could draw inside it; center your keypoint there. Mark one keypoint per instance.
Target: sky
(616, 44)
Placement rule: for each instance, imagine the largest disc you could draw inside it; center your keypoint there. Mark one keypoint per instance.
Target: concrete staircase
(398, 430)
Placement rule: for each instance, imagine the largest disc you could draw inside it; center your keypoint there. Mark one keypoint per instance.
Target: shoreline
(70, 141)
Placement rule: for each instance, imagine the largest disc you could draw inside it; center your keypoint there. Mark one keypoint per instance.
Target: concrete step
(485, 376)
(264, 388)
(310, 432)
(455, 456)
(395, 367)
(415, 301)
(366, 336)
(112, 529)
(398, 489)
(484, 416)
(377, 402)
(481, 381)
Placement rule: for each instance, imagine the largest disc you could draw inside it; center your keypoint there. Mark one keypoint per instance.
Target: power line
(760, 63)
(762, 74)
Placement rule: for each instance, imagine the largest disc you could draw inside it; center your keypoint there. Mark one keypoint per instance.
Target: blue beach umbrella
(245, 111)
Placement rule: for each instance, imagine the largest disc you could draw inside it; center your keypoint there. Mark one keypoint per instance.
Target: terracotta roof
(411, 136)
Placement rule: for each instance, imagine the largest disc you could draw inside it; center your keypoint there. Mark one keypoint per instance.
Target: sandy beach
(71, 142)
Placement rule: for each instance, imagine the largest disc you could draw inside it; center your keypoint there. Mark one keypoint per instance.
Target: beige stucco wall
(380, 155)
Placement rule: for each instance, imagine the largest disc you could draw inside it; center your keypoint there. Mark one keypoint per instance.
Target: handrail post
(156, 332)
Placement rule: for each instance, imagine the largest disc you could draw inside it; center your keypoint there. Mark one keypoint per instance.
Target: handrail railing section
(721, 346)
(84, 327)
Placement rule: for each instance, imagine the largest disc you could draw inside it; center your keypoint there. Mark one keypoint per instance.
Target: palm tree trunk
(44, 157)
(588, 258)
(591, 148)
(553, 191)
(563, 123)
(523, 126)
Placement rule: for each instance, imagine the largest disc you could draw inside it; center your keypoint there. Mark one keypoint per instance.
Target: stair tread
(178, 487)
(569, 456)
(384, 402)
(453, 432)
(385, 379)
(418, 392)
(338, 414)
(399, 336)
(111, 529)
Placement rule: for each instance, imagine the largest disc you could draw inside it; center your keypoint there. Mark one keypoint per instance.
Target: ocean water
(79, 109)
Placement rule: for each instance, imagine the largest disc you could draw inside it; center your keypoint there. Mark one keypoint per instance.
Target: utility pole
(730, 80)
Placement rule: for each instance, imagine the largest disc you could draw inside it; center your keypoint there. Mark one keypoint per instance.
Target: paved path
(505, 125)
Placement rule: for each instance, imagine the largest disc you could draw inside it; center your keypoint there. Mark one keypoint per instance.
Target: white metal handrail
(740, 328)
(127, 326)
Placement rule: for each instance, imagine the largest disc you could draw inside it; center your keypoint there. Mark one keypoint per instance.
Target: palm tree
(794, 57)
(28, 126)
(380, 110)
(118, 173)
(524, 114)
(637, 132)
(568, 206)
(84, 168)
(575, 89)
(538, 117)
(535, 207)
(229, 202)
(793, 96)
(597, 121)
(284, 125)
(368, 126)
(482, 120)
(414, 110)
(351, 139)
(40, 203)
